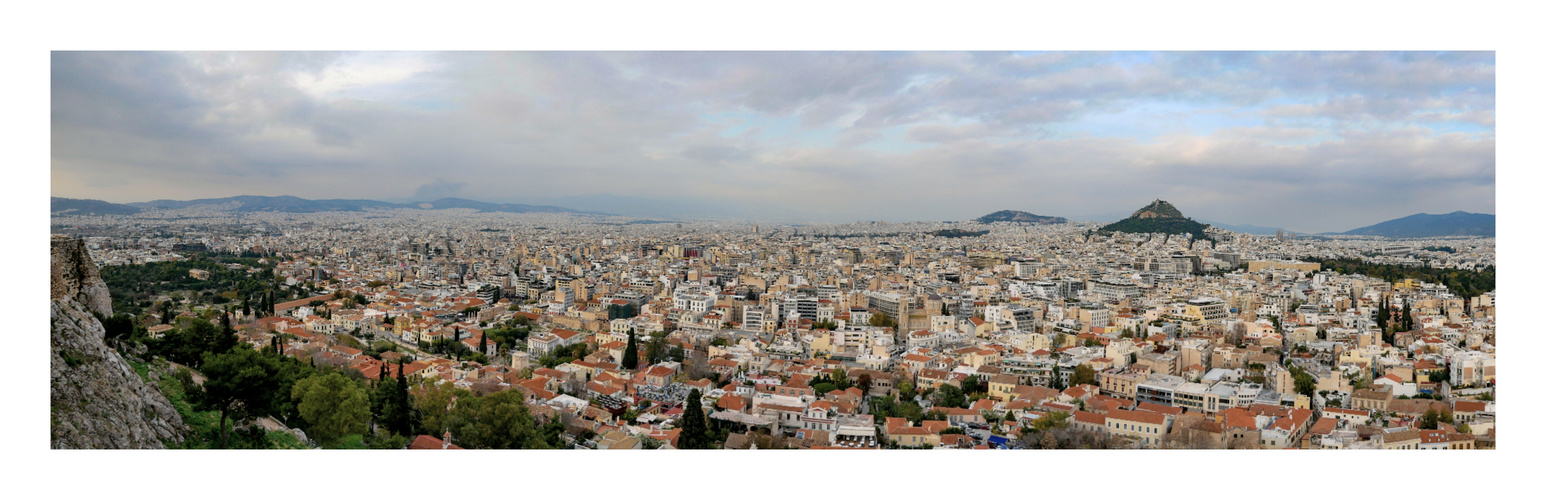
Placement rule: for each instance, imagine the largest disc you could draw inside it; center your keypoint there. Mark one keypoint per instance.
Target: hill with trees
(1018, 216)
(1158, 217)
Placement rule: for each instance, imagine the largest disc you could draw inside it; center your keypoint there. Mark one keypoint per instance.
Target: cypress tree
(631, 353)
(482, 344)
(402, 419)
(694, 435)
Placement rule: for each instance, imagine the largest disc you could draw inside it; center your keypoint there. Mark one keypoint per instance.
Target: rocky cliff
(97, 400)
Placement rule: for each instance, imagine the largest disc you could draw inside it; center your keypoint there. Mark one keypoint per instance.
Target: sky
(1308, 141)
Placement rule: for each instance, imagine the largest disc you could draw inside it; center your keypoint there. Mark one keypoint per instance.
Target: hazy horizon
(1307, 141)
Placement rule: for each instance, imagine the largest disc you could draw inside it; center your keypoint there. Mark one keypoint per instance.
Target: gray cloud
(1346, 138)
(440, 188)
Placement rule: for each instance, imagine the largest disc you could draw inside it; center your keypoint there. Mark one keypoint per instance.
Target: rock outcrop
(97, 400)
(1158, 209)
(74, 275)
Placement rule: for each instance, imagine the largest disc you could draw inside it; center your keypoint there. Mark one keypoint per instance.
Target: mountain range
(1159, 216)
(1432, 225)
(290, 204)
(72, 206)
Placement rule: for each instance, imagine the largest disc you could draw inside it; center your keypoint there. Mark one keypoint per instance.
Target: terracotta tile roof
(428, 442)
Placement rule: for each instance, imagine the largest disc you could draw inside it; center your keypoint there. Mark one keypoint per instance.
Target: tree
(1429, 420)
(238, 384)
(694, 435)
(1057, 378)
(332, 405)
(1382, 315)
(881, 319)
(553, 432)
(656, 349)
(1304, 383)
(433, 403)
(405, 415)
(631, 353)
(226, 340)
(1236, 335)
(840, 379)
(1053, 420)
(972, 385)
(496, 421)
(383, 399)
(1084, 374)
(949, 396)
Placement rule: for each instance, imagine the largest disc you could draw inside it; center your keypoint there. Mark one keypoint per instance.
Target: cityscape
(265, 263)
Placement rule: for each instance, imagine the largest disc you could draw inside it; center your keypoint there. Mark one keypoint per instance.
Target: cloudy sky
(1306, 141)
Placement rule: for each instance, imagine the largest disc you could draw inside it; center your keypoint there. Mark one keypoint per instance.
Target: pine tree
(631, 353)
(227, 339)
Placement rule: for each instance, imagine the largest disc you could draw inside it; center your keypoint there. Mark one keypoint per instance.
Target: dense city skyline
(1345, 139)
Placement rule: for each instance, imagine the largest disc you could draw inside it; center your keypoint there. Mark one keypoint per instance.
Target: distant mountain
(1430, 225)
(1158, 217)
(288, 204)
(292, 204)
(490, 207)
(71, 206)
(1018, 216)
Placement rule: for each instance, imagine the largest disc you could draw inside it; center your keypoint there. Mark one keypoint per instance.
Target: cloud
(438, 189)
(828, 136)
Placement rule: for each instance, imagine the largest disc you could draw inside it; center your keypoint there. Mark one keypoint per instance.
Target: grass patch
(141, 368)
(203, 424)
(71, 359)
(281, 440)
(349, 340)
(350, 442)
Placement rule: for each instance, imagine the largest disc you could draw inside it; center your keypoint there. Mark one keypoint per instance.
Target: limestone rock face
(1158, 209)
(96, 399)
(74, 275)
